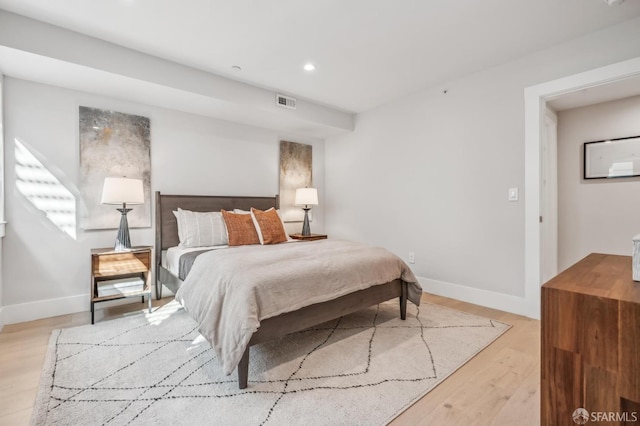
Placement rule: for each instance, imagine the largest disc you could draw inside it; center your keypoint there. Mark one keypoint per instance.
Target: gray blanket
(186, 263)
(228, 292)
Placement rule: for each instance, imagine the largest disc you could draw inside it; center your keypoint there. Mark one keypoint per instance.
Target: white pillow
(201, 229)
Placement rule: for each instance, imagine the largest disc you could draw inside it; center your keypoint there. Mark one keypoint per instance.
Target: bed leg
(158, 289)
(403, 302)
(243, 370)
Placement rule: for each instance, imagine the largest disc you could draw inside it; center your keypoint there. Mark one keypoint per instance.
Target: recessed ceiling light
(309, 66)
(236, 68)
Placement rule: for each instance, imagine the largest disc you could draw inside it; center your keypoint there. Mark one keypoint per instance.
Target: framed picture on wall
(612, 158)
(112, 144)
(295, 172)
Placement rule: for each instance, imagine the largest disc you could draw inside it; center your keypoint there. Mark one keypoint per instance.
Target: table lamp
(120, 190)
(306, 197)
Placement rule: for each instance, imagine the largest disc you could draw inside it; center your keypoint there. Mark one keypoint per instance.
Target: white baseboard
(30, 311)
(490, 299)
(45, 308)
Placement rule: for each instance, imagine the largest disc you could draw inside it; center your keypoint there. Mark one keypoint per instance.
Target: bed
(285, 322)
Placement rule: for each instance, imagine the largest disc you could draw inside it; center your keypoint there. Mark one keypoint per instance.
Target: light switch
(513, 194)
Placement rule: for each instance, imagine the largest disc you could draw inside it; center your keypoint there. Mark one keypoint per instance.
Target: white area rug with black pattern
(155, 369)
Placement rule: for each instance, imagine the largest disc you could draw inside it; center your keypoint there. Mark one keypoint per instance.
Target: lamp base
(306, 229)
(123, 242)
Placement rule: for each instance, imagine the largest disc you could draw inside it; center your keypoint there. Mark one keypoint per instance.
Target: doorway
(549, 196)
(536, 98)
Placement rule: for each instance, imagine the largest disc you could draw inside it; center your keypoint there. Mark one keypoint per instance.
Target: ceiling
(367, 52)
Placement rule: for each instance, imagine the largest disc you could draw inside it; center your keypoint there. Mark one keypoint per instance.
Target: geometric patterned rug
(155, 369)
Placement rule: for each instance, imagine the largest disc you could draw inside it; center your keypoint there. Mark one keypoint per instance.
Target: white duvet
(228, 292)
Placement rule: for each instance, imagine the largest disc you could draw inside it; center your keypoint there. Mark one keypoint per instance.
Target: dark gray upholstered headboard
(167, 226)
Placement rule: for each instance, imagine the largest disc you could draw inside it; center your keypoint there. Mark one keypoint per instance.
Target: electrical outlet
(412, 257)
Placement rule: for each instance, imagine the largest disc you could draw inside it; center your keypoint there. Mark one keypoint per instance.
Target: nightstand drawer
(121, 263)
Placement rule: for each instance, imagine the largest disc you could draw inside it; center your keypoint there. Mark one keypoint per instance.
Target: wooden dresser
(591, 342)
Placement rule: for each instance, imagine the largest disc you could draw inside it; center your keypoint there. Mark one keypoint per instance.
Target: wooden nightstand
(120, 274)
(311, 237)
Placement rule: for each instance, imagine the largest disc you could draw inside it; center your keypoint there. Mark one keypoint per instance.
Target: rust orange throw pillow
(240, 229)
(269, 226)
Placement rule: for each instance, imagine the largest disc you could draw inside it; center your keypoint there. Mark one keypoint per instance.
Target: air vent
(285, 101)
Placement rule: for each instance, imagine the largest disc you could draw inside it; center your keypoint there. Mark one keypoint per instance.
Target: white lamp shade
(306, 197)
(117, 190)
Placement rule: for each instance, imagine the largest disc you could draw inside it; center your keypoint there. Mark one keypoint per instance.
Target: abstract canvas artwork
(112, 144)
(295, 172)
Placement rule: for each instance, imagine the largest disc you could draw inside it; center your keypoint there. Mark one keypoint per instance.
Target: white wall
(429, 173)
(2, 321)
(2, 227)
(46, 272)
(599, 215)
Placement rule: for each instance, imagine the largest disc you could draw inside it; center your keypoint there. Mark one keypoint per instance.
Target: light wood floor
(500, 386)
